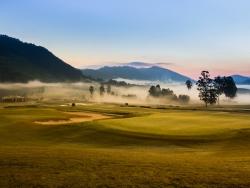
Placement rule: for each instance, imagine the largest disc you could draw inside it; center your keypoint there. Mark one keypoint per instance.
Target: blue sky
(192, 35)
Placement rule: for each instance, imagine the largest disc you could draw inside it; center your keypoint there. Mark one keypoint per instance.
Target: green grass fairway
(138, 147)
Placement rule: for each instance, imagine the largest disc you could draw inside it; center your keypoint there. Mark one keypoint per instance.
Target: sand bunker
(78, 118)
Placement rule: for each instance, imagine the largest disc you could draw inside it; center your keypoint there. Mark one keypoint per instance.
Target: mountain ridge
(241, 80)
(154, 73)
(94, 71)
(24, 62)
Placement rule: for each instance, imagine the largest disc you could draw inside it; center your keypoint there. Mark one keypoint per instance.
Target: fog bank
(80, 92)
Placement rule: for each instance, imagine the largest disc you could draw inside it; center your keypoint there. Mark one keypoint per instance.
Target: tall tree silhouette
(206, 87)
(91, 90)
(109, 89)
(102, 90)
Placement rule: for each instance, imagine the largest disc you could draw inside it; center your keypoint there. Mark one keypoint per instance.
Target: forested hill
(23, 62)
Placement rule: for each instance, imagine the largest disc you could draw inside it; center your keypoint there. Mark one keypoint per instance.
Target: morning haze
(124, 93)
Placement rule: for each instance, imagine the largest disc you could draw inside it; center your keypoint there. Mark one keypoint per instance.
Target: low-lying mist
(79, 92)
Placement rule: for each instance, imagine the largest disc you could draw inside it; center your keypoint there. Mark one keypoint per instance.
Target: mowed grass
(139, 147)
(183, 123)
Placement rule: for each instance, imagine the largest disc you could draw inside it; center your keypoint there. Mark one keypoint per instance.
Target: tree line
(157, 91)
(102, 90)
(209, 89)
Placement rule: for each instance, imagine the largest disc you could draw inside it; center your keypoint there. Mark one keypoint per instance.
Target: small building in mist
(13, 99)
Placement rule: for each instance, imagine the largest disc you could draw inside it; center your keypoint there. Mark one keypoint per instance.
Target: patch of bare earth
(78, 117)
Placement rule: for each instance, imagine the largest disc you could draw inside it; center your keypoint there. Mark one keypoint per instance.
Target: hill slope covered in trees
(23, 62)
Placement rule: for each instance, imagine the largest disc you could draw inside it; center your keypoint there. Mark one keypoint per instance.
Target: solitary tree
(158, 90)
(91, 90)
(184, 99)
(189, 84)
(109, 89)
(102, 90)
(206, 88)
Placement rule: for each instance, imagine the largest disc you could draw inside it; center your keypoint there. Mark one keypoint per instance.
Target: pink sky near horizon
(189, 67)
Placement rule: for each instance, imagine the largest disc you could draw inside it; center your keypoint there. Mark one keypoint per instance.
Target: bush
(184, 99)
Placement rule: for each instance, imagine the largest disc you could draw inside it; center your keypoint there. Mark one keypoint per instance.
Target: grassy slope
(147, 148)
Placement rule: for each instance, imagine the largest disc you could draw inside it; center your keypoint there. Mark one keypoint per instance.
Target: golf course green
(110, 145)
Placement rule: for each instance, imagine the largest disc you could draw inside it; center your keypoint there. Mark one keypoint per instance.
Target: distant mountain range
(144, 71)
(135, 64)
(23, 62)
(153, 73)
(241, 80)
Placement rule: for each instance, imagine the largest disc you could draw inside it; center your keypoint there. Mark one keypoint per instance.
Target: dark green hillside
(23, 62)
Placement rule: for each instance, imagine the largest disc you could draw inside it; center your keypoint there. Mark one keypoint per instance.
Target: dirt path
(78, 118)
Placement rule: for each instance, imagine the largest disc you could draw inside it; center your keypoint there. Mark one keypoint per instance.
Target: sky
(187, 35)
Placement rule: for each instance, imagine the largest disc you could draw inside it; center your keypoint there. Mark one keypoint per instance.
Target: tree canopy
(91, 90)
(225, 85)
(102, 90)
(166, 93)
(206, 87)
(189, 84)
